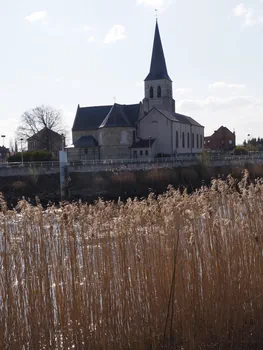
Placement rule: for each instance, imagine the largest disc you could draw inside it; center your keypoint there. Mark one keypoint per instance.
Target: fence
(179, 159)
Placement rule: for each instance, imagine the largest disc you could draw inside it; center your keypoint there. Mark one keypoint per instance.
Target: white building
(150, 128)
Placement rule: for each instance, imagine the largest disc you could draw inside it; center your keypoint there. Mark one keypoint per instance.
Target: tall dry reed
(181, 271)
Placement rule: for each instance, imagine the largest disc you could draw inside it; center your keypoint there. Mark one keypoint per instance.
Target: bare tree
(37, 119)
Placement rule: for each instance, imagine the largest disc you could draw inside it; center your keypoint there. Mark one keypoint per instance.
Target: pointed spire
(158, 68)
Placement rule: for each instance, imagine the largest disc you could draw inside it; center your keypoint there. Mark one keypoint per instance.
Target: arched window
(188, 140)
(159, 91)
(193, 140)
(176, 139)
(151, 92)
(197, 141)
(201, 141)
(183, 144)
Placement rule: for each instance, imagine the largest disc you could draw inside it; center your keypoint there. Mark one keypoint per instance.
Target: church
(147, 129)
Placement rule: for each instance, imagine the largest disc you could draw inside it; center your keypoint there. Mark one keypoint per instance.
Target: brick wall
(222, 139)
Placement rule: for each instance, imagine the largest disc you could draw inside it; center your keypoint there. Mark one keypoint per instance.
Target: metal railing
(162, 160)
(50, 164)
(132, 161)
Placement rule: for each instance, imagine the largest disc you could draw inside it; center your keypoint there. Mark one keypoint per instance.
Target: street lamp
(62, 142)
(22, 158)
(3, 137)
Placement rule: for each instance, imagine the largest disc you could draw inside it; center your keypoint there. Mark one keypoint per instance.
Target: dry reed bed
(182, 271)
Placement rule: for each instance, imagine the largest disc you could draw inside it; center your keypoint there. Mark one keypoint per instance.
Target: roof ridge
(104, 122)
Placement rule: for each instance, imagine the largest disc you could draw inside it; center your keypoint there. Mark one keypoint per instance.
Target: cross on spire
(156, 13)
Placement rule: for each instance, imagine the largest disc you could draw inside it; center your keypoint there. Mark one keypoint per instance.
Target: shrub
(240, 150)
(33, 156)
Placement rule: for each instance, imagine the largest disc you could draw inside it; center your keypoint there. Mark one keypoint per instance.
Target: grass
(181, 271)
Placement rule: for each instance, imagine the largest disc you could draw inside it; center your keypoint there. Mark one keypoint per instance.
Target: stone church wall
(115, 143)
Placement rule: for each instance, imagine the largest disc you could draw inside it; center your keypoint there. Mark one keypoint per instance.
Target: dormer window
(151, 92)
(159, 91)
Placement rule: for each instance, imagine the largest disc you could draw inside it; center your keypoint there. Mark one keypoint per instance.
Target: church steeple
(158, 86)
(158, 68)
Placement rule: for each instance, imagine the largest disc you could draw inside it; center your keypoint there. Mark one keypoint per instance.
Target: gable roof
(43, 133)
(3, 150)
(158, 68)
(177, 117)
(91, 118)
(86, 141)
(143, 143)
(223, 129)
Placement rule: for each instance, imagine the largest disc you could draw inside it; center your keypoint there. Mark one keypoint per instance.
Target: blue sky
(64, 52)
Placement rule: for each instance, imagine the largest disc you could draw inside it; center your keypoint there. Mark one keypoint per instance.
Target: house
(221, 140)
(146, 129)
(4, 153)
(45, 140)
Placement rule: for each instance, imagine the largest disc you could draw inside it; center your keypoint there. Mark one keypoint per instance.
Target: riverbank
(111, 185)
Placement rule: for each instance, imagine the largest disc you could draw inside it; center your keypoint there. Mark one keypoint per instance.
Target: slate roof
(158, 68)
(179, 117)
(143, 143)
(43, 133)
(91, 118)
(3, 150)
(86, 141)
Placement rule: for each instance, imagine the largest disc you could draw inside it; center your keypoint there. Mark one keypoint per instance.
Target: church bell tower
(158, 86)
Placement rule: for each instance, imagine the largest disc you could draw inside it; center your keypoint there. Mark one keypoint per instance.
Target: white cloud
(224, 85)
(40, 16)
(183, 91)
(240, 10)
(151, 3)
(139, 83)
(242, 113)
(87, 28)
(250, 16)
(117, 32)
(91, 39)
(160, 5)
(214, 103)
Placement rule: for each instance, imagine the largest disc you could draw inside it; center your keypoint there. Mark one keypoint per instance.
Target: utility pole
(63, 170)
(3, 137)
(22, 157)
